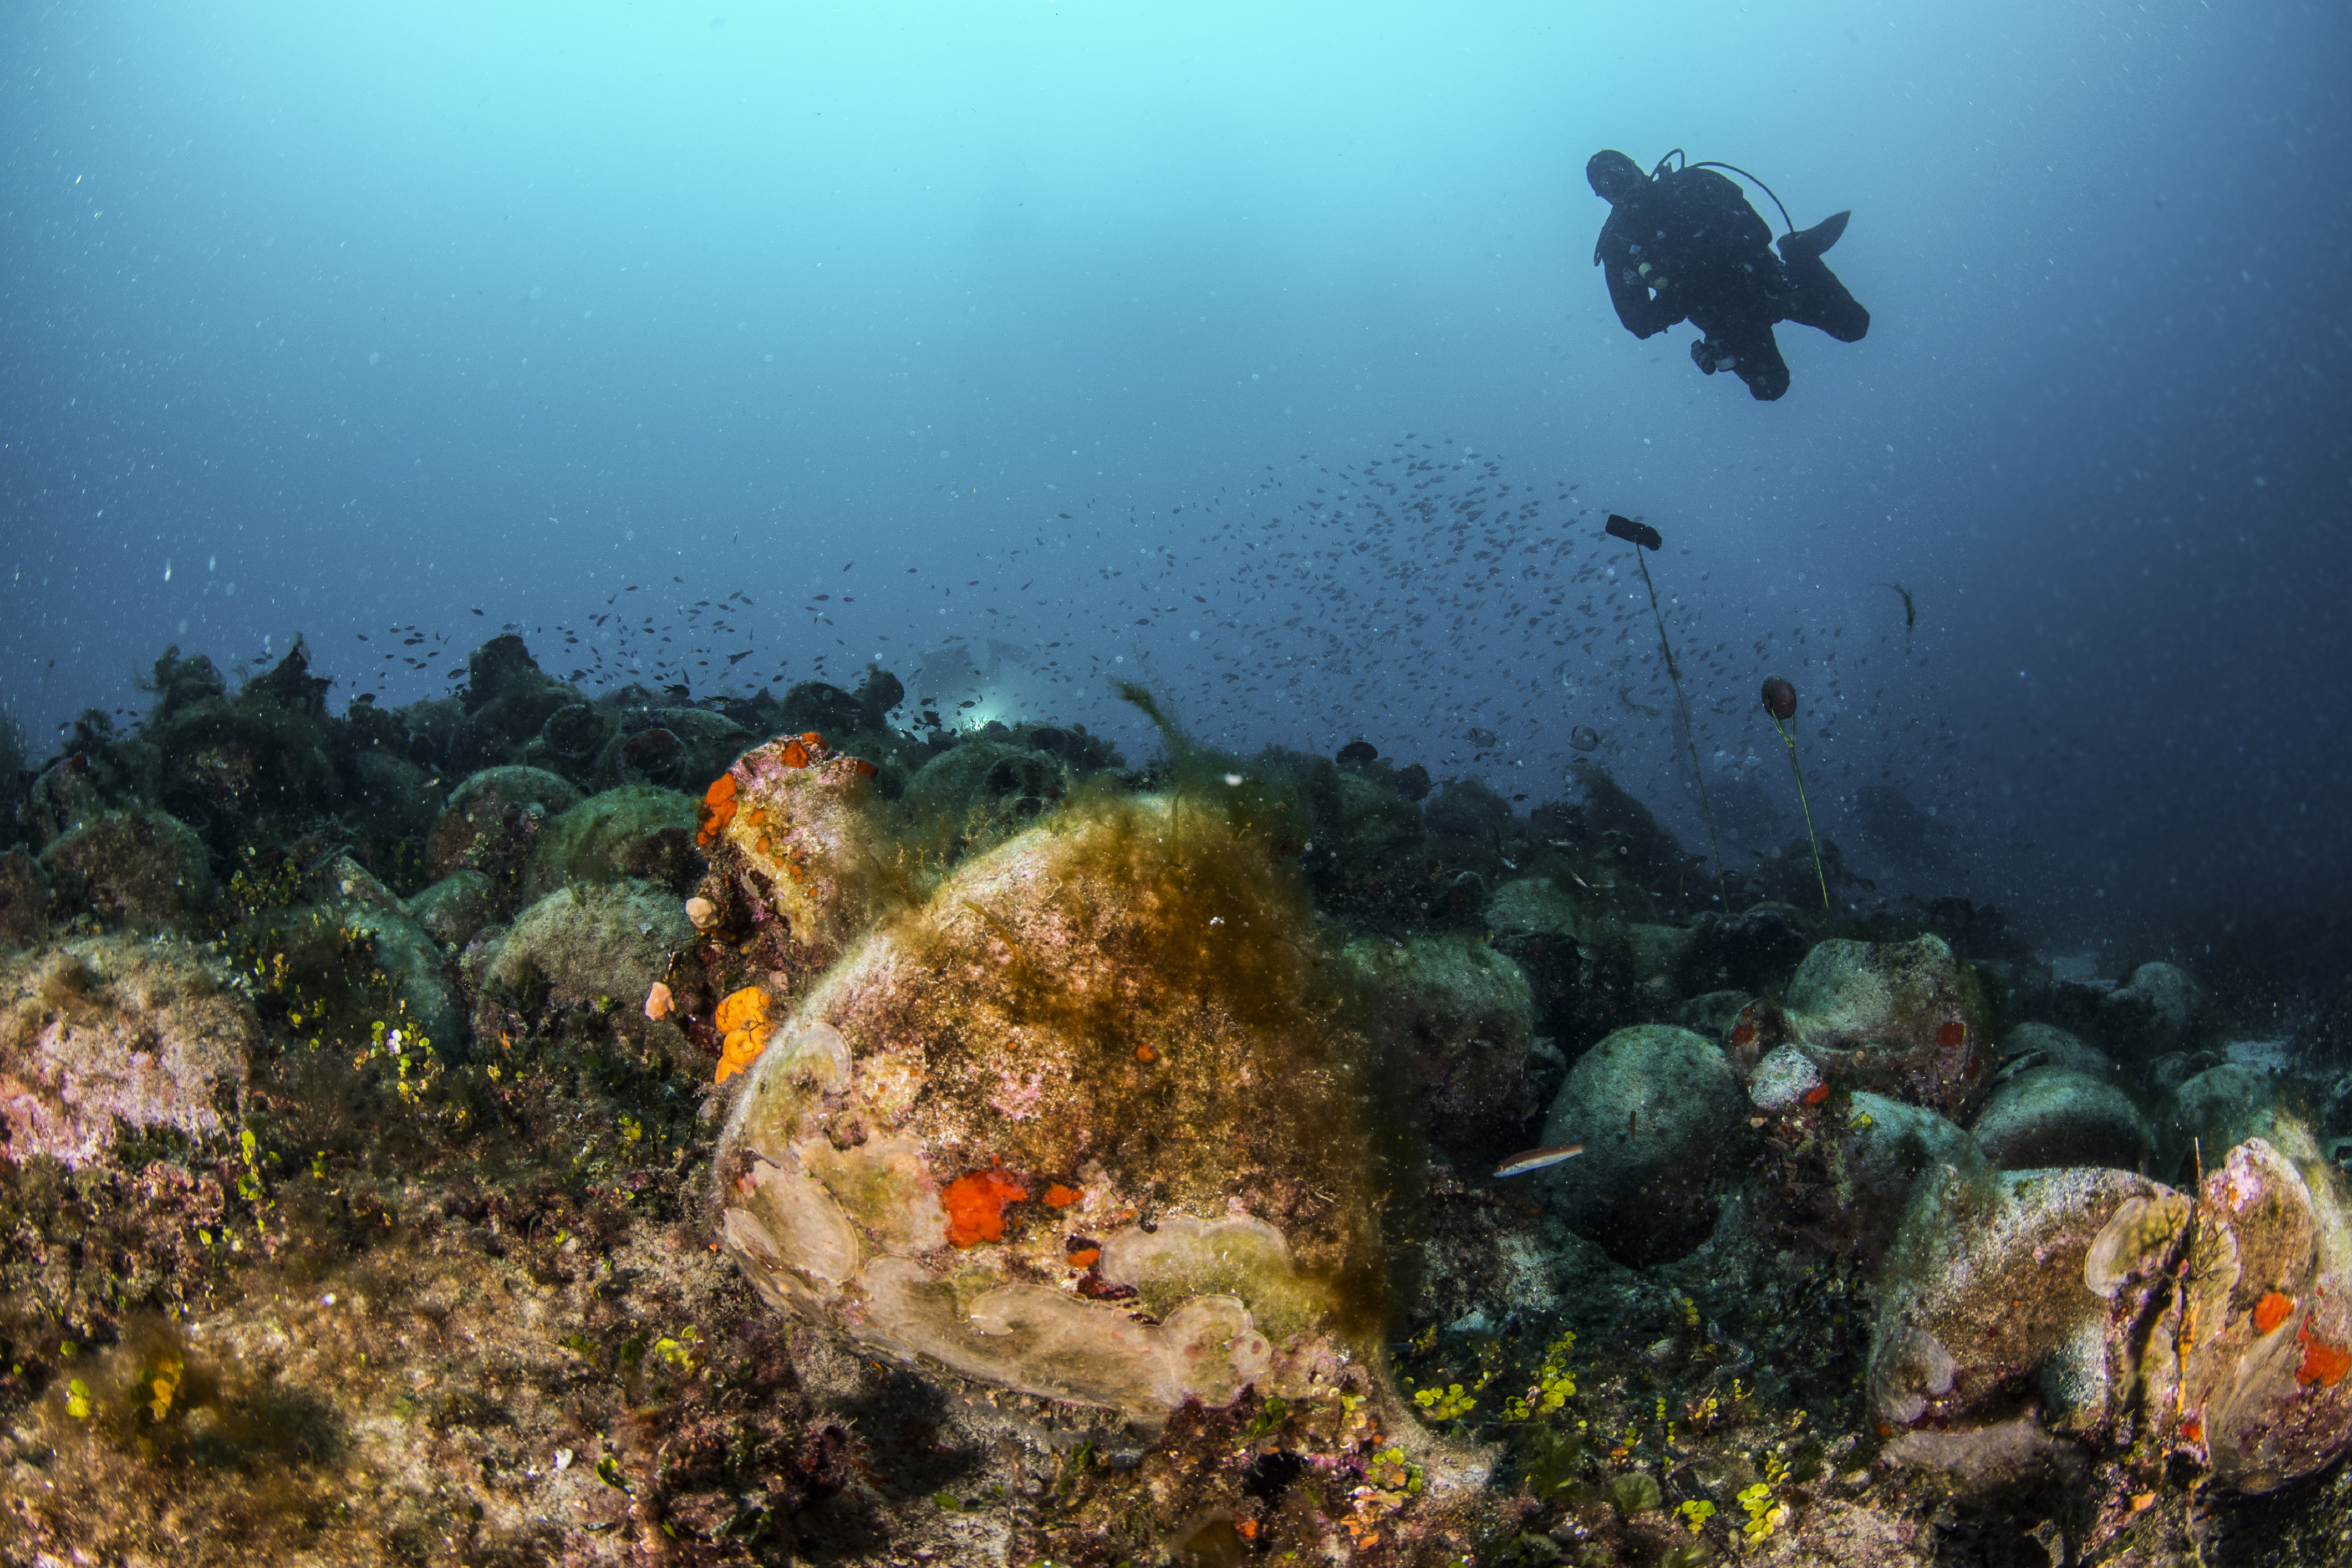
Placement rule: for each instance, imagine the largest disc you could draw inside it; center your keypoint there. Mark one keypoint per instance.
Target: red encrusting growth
(1951, 1033)
(803, 753)
(1816, 1094)
(1058, 1196)
(2323, 1364)
(975, 1206)
(807, 749)
(2271, 1312)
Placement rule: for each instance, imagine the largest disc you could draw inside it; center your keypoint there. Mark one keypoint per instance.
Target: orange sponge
(717, 809)
(743, 1019)
(975, 1206)
(2323, 1364)
(741, 1008)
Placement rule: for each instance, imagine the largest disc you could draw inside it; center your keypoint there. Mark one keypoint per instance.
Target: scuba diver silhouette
(1682, 243)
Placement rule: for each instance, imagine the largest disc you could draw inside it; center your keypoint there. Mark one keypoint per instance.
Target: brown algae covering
(1126, 1000)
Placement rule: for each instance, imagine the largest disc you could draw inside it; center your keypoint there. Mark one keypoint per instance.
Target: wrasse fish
(1537, 1159)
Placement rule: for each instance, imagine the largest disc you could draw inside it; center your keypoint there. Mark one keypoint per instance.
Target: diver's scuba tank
(1662, 171)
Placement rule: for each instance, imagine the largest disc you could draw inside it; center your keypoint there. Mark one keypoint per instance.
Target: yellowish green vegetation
(1449, 1403)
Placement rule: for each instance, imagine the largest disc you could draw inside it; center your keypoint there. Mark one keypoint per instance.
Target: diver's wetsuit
(1686, 245)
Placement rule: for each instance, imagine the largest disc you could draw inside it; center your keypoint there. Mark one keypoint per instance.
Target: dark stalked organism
(1635, 532)
(1910, 613)
(1781, 702)
(1641, 533)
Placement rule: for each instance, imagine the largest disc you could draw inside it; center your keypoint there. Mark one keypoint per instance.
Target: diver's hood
(1612, 174)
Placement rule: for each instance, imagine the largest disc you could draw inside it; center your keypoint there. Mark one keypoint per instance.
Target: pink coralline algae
(1018, 1098)
(114, 1029)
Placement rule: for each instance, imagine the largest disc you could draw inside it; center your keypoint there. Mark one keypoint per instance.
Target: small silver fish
(1537, 1159)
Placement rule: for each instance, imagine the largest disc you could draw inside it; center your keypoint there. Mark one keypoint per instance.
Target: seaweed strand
(1814, 838)
(1690, 736)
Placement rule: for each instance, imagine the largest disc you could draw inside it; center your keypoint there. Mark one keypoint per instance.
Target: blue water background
(332, 320)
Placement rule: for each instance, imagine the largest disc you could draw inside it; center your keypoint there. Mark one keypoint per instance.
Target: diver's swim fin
(1814, 241)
